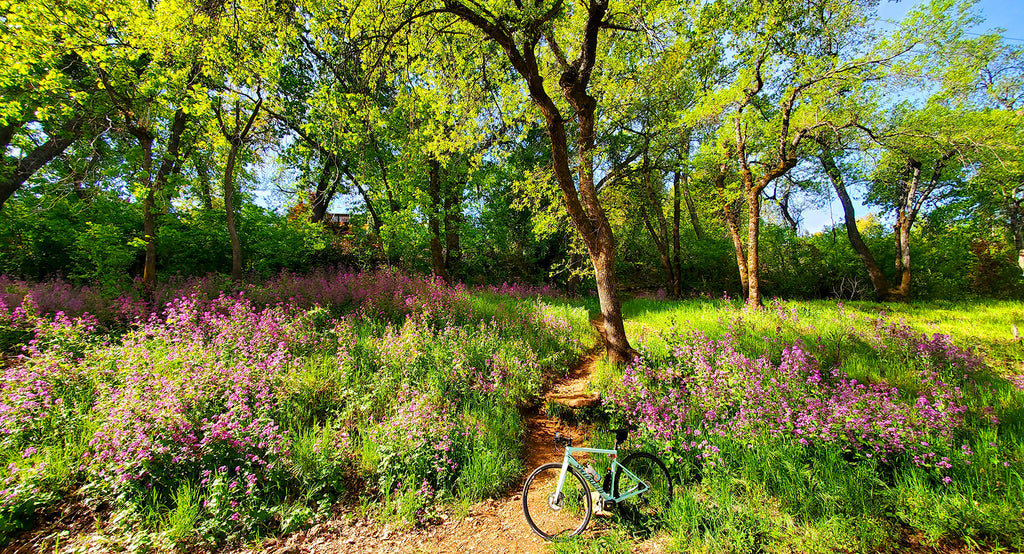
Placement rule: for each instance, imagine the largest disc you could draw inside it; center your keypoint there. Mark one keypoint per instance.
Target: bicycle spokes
(552, 514)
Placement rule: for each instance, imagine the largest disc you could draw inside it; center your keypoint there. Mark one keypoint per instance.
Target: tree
(648, 132)
(236, 134)
(929, 149)
(991, 80)
(796, 63)
(827, 156)
(322, 98)
(518, 30)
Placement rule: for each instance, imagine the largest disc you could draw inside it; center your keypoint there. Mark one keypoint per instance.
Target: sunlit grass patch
(937, 450)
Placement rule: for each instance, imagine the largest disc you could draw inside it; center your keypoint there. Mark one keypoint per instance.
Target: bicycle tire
(645, 507)
(550, 519)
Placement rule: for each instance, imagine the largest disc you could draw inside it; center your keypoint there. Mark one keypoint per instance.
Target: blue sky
(999, 14)
(1004, 14)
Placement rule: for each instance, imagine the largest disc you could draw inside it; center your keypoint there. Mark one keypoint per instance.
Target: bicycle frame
(616, 467)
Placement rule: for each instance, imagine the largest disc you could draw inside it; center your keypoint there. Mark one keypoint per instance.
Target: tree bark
(434, 220)
(752, 190)
(783, 203)
(731, 215)
(235, 136)
(914, 195)
(878, 280)
(229, 211)
(452, 220)
(676, 213)
(905, 215)
(660, 235)
(903, 275)
(7, 132)
(753, 236)
(691, 209)
(167, 167)
(326, 187)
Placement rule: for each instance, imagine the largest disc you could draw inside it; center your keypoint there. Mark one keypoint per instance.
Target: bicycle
(557, 499)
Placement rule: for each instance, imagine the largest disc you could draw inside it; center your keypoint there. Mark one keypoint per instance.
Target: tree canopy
(625, 144)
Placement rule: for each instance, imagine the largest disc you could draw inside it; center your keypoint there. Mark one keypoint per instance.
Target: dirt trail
(494, 525)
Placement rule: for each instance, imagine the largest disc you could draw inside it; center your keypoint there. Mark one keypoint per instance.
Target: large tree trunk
(905, 213)
(915, 194)
(731, 215)
(902, 291)
(434, 220)
(229, 211)
(13, 177)
(732, 221)
(753, 236)
(602, 247)
(878, 280)
(452, 220)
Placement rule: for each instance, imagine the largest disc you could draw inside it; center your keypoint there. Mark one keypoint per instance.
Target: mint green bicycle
(557, 498)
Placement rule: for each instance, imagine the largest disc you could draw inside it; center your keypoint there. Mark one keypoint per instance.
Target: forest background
(672, 147)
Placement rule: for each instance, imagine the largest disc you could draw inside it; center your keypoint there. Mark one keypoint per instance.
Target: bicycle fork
(555, 500)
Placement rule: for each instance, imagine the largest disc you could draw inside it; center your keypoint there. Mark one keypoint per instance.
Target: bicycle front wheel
(551, 515)
(644, 508)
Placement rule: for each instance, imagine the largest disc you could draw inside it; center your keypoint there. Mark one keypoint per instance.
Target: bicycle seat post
(620, 436)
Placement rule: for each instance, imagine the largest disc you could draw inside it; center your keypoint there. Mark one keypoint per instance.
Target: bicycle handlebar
(562, 441)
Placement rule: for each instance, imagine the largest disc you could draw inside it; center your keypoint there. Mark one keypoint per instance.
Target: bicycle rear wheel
(644, 509)
(550, 516)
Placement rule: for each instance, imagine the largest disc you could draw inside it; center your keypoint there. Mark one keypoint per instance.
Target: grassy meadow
(209, 412)
(822, 426)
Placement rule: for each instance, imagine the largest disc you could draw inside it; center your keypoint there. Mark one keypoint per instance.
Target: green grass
(783, 497)
(336, 400)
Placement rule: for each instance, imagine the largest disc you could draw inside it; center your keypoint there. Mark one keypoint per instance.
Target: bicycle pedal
(600, 504)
